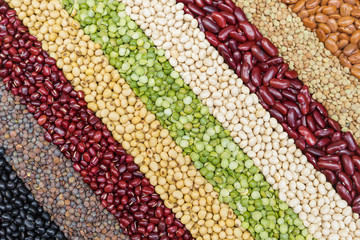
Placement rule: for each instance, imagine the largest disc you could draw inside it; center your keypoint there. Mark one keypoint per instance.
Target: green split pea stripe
(219, 159)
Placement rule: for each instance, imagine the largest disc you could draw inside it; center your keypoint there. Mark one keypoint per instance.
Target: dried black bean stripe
(21, 216)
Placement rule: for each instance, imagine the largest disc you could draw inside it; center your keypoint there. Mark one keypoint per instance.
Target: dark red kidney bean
(296, 84)
(318, 118)
(305, 91)
(323, 142)
(210, 9)
(266, 96)
(356, 179)
(330, 176)
(276, 114)
(246, 46)
(315, 151)
(223, 48)
(345, 179)
(280, 84)
(200, 3)
(229, 17)
(240, 15)
(310, 122)
(248, 30)
(212, 38)
(290, 131)
(186, 2)
(322, 109)
(247, 58)
(277, 94)
(229, 60)
(329, 165)
(356, 200)
(332, 158)
(224, 7)
(219, 19)
(324, 132)
(345, 151)
(348, 164)
(269, 75)
(269, 47)
(245, 72)
(237, 36)
(336, 146)
(292, 118)
(312, 107)
(308, 135)
(256, 76)
(349, 139)
(304, 104)
(300, 143)
(259, 54)
(280, 107)
(336, 136)
(275, 61)
(291, 74)
(210, 25)
(289, 95)
(356, 161)
(209, 2)
(263, 66)
(196, 10)
(230, 3)
(224, 33)
(312, 160)
(282, 69)
(237, 57)
(253, 89)
(335, 125)
(344, 194)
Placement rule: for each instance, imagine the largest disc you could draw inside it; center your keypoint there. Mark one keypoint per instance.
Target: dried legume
(165, 94)
(153, 149)
(164, 31)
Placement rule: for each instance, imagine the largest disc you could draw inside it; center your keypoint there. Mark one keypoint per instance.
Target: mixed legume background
(179, 119)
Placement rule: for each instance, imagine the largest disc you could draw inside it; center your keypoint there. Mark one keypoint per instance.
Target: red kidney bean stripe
(30, 73)
(255, 60)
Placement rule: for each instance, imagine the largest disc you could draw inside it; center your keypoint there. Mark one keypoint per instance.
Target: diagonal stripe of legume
(219, 159)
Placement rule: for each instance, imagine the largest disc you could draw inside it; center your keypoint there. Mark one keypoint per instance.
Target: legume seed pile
(179, 119)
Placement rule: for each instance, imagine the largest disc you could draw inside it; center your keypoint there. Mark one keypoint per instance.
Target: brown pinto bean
(248, 29)
(266, 95)
(258, 53)
(256, 76)
(349, 139)
(344, 194)
(196, 10)
(329, 165)
(330, 176)
(348, 164)
(210, 25)
(330, 158)
(336, 146)
(345, 21)
(350, 49)
(312, 160)
(308, 135)
(356, 179)
(269, 75)
(276, 93)
(245, 72)
(224, 33)
(311, 123)
(269, 47)
(289, 130)
(240, 15)
(292, 118)
(280, 84)
(212, 38)
(323, 142)
(355, 37)
(229, 17)
(345, 179)
(324, 132)
(315, 151)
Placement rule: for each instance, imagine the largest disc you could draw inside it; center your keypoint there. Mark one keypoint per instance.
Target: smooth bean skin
(248, 29)
(345, 179)
(292, 118)
(210, 25)
(266, 95)
(270, 74)
(336, 146)
(356, 179)
(269, 47)
(280, 84)
(348, 164)
(351, 143)
(308, 135)
(329, 165)
(330, 176)
(341, 189)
